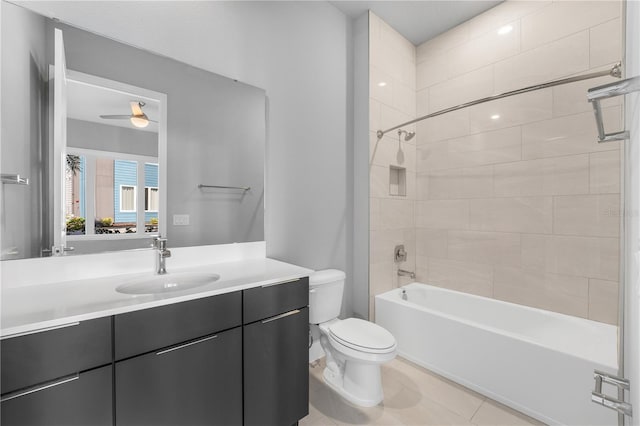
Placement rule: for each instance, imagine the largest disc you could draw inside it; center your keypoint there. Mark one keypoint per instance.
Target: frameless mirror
(107, 191)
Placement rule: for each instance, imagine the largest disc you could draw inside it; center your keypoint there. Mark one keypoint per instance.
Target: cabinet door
(40, 357)
(195, 383)
(82, 400)
(276, 372)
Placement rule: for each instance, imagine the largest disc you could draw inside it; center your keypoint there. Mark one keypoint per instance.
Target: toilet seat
(362, 336)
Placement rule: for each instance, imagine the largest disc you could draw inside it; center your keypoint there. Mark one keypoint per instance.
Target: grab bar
(617, 88)
(244, 188)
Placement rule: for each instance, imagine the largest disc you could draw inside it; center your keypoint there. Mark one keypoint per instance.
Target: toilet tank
(325, 295)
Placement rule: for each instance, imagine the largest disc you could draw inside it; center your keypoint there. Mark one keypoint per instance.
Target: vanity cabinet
(58, 377)
(195, 383)
(180, 364)
(230, 359)
(276, 354)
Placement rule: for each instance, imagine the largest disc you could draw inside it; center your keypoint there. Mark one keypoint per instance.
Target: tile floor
(413, 396)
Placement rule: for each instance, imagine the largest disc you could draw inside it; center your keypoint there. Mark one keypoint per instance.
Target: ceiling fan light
(139, 120)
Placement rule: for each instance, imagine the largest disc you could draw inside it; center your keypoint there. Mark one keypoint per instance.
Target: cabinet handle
(280, 282)
(39, 388)
(41, 330)
(277, 317)
(195, 342)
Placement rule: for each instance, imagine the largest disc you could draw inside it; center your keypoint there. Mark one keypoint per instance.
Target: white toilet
(354, 348)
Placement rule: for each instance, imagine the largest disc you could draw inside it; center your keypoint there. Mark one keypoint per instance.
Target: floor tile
(414, 396)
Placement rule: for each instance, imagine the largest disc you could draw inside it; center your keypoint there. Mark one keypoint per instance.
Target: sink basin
(168, 283)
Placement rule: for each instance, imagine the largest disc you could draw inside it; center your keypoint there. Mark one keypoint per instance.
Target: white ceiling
(87, 102)
(418, 21)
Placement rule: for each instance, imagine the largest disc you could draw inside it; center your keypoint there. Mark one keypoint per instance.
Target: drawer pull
(39, 388)
(195, 342)
(280, 282)
(277, 317)
(41, 330)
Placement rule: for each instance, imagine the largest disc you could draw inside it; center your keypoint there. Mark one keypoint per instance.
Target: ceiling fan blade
(136, 108)
(115, 117)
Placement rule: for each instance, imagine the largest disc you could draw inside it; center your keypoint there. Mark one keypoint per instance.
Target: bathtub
(538, 362)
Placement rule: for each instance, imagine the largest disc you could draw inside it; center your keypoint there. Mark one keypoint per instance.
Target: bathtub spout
(403, 273)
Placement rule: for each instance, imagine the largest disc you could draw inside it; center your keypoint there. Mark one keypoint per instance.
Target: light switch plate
(180, 219)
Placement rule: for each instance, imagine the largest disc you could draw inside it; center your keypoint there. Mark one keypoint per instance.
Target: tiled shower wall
(392, 101)
(514, 199)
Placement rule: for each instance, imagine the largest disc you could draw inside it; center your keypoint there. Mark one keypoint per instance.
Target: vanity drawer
(150, 329)
(38, 357)
(270, 300)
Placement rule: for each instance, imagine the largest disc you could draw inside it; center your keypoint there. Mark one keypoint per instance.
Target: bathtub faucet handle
(399, 253)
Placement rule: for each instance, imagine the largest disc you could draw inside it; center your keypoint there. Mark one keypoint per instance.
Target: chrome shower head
(407, 135)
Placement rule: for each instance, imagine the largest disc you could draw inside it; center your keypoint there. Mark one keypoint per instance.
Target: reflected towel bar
(14, 179)
(244, 188)
(617, 88)
(615, 71)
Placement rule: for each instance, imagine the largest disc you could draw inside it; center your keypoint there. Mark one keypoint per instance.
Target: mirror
(215, 141)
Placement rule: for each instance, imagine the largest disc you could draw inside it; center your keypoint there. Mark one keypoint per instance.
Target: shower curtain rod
(615, 71)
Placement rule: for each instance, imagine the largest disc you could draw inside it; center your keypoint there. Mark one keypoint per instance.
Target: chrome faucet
(160, 244)
(403, 273)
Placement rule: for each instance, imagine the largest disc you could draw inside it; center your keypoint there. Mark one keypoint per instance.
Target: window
(127, 198)
(151, 199)
(109, 204)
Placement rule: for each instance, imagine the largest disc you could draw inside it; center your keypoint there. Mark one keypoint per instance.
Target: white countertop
(30, 308)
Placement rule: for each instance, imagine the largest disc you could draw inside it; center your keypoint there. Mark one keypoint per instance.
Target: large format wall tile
(572, 134)
(494, 248)
(442, 214)
(540, 289)
(498, 146)
(604, 172)
(545, 63)
(590, 257)
(563, 18)
(517, 214)
(549, 176)
(587, 215)
(472, 182)
(475, 278)
(512, 199)
(603, 301)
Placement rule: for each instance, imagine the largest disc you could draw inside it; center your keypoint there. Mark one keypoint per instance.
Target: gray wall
(90, 135)
(23, 90)
(297, 52)
(361, 167)
(215, 135)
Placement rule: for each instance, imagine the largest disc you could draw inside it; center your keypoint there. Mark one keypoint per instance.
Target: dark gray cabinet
(231, 359)
(194, 383)
(276, 356)
(58, 377)
(84, 399)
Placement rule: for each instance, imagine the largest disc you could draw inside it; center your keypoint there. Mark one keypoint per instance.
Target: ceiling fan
(137, 117)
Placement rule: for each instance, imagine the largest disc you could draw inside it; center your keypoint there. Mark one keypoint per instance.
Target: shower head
(407, 135)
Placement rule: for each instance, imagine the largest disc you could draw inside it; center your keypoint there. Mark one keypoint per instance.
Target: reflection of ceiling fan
(137, 117)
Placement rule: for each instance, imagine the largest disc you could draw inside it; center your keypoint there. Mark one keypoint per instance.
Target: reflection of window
(108, 201)
(127, 198)
(151, 199)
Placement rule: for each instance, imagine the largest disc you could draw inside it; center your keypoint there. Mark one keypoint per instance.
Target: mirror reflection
(214, 136)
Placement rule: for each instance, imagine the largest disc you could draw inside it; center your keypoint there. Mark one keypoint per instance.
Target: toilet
(354, 348)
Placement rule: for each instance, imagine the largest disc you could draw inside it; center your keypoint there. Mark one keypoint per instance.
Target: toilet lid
(362, 335)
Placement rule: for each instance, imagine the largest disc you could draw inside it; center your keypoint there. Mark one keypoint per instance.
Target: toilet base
(360, 384)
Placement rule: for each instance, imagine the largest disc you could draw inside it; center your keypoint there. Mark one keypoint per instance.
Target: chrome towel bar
(15, 179)
(244, 188)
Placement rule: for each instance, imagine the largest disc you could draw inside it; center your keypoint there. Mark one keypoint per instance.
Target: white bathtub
(538, 362)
